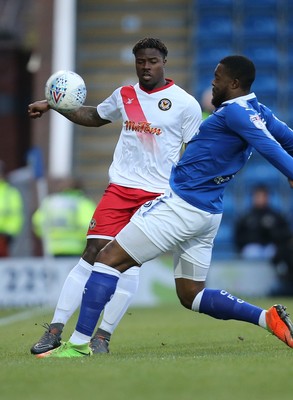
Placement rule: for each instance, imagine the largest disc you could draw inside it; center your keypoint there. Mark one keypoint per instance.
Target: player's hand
(290, 183)
(38, 108)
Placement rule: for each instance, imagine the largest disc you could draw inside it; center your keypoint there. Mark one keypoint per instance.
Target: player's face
(149, 65)
(221, 85)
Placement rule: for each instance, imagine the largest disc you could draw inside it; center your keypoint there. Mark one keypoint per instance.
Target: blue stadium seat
(266, 89)
(215, 6)
(270, 101)
(224, 247)
(229, 203)
(214, 28)
(259, 27)
(286, 28)
(289, 119)
(265, 84)
(225, 233)
(290, 55)
(261, 172)
(260, 7)
(203, 82)
(208, 56)
(265, 56)
(205, 60)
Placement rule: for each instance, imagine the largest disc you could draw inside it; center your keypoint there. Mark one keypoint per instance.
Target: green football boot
(68, 350)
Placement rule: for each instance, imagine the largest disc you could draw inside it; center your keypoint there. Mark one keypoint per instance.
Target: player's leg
(103, 280)
(114, 212)
(68, 301)
(191, 268)
(102, 285)
(116, 308)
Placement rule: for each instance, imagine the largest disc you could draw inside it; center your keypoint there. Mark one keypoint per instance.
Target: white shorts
(170, 223)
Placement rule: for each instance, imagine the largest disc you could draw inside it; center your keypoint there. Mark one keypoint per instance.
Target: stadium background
(197, 33)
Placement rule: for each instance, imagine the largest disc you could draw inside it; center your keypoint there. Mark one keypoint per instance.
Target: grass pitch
(162, 353)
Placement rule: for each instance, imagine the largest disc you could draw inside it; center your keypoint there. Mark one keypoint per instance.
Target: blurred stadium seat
(217, 29)
(266, 83)
(215, 5)
(266, 89)
(208, 56)
(260, 7)
(256, 28)
(265, 56)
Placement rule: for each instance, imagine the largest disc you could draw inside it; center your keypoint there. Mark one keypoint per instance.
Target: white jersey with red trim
(155, 125)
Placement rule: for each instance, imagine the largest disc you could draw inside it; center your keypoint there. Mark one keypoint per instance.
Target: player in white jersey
(186, 219)
(155, 125)
(158, 118)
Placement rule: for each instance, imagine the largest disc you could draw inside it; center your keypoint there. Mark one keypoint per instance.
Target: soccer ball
(65, 91)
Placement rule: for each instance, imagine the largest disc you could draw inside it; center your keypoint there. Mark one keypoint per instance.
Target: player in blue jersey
(186, 219)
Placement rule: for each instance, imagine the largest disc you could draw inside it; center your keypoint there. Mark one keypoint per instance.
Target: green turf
(164, 353)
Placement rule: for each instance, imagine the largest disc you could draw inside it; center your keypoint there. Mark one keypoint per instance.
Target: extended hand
(38, 108)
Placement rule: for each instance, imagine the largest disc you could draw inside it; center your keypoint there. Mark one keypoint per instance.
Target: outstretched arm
(38, 108)
(85, 115)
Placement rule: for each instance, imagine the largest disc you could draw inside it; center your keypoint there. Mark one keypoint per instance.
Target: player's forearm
(85, 115)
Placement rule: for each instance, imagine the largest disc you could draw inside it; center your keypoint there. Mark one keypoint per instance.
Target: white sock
(126, 288)
(71, 293)
(262, 320)
(196, 301)
(79, 338)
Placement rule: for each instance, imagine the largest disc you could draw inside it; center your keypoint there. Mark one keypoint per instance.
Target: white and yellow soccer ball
(65, 91)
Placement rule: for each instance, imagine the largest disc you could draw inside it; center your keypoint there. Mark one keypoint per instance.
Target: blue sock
(222, 305)
(97, 292)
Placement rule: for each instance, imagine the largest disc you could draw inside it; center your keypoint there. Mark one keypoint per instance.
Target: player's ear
(165, 61)
(235, 83)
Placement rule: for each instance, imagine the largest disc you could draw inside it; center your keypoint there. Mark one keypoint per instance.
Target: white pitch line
(21, 316)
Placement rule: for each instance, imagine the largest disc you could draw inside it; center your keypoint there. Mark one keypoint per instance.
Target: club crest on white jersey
(165, 104)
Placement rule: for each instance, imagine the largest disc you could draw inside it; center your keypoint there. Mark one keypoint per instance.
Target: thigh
(192, 258)
(160, 225)
(152, 231)
(137, 244)
(115, 209)
(169, 221)
(192, 263)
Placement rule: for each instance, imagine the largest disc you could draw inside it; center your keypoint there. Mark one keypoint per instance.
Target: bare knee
(115, 256)
(187, 289)
(93, 247)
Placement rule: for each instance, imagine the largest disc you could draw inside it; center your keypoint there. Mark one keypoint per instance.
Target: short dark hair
(150, 43)
(241, 68)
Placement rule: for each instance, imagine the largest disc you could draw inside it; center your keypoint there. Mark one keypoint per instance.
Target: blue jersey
(223, 146)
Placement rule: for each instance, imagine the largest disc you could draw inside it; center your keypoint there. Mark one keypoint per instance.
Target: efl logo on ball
(65, 91)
